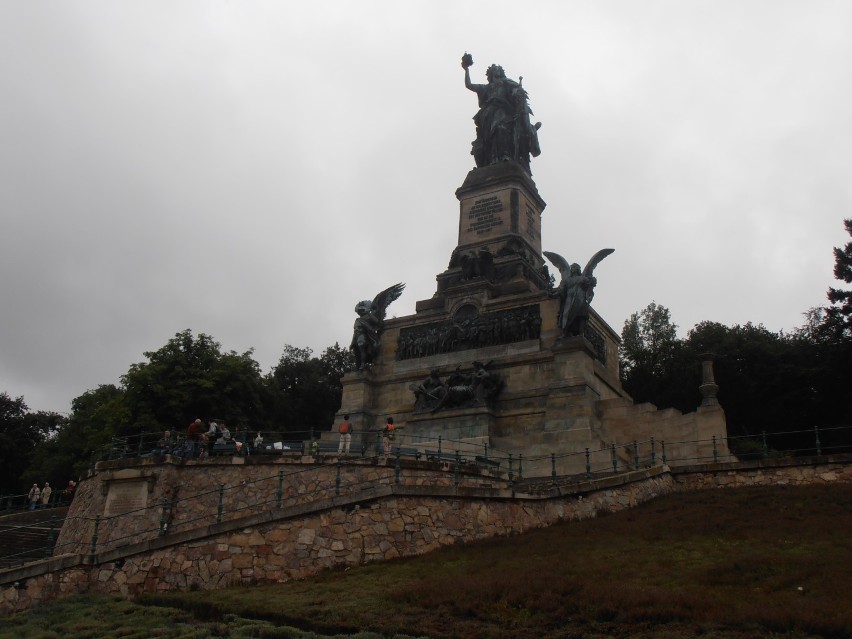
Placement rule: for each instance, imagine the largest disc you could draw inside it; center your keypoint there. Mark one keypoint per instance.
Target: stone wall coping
(368, 495)
(757, 464)
(41, 567)
(506, 493)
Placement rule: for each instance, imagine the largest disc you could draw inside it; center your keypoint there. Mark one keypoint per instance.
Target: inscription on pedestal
(482, 215)
(532, 227)
(126, 496)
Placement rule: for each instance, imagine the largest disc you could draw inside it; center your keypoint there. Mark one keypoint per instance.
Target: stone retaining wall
(783, 472)
(185, 495)
(379, 523)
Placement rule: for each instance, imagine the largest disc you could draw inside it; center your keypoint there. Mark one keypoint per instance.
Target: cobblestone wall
(406, 521)
(186, 496)
(765, 473)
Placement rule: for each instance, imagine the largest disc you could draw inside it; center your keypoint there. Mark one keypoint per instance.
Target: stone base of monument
(484, 365)
(466, 430)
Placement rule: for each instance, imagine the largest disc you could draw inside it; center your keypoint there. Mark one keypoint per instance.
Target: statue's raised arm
(504, 131)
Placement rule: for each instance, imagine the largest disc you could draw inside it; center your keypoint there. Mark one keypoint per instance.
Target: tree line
(190, 377)
(773, 382)
(779, 383)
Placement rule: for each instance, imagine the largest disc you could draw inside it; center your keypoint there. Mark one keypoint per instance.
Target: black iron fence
(462, 462)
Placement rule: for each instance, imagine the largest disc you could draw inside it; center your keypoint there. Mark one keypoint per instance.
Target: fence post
(163, 518)
(511, 471)
(280, 493)
(48, 551)
(440, 439)
(221, 503)
(398, 467)
(614, 459)
(139, 448)
(663, 446)
(553, 468)
(456, 470)
(95, 533)
(486, 450)
(653, 452)
(765, 446)
(588, 465)
(715, 451)
(337, 478)
(818, 445)
(379, 446)
(520, 467)
(635, 455)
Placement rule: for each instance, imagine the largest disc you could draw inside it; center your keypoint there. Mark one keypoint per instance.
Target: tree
(762, 376)
(654, 367)
(305, 391)
(648, 340)
(190, 377)
(21, 431)
(97, 416)
(839, 315)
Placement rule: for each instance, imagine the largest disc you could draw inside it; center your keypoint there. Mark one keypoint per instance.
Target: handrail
(584, 464)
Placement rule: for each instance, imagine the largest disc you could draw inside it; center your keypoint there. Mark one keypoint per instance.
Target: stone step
(24, 536)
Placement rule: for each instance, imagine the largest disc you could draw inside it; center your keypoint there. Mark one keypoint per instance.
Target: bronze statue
(575, 291)
(460, 390)
(370, 325)
(503, 127)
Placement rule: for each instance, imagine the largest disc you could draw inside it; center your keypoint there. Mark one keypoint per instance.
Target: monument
(501, 355)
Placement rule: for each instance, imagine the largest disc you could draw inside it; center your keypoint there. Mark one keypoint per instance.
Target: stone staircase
(24, 535)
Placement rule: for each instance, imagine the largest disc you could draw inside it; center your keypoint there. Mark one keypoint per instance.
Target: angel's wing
(384, 299)
(596, 258)
(558, 261)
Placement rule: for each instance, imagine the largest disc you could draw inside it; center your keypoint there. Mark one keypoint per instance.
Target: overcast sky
(252, 169)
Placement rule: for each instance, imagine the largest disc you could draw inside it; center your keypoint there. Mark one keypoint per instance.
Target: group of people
(200, 442)
(40, 497)
(345, 430)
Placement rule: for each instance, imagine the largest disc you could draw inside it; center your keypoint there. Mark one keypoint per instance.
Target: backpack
(345, 427)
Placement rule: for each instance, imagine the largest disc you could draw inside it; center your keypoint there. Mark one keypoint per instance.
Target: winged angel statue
(370, 324)
(575, 291)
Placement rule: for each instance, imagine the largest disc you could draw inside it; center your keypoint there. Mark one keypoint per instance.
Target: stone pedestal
(560, 397)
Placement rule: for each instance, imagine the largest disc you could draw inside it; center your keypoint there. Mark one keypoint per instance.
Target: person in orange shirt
(345, 429)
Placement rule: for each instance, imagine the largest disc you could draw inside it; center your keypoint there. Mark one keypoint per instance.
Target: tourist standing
(345, 429)
(45, 495)
(33, 496)
(193, 437)
(387, 436)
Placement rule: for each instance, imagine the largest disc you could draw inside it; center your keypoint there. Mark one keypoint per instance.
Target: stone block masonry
(383, 522)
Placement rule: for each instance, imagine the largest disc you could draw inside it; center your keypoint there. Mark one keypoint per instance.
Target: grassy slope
(724, 563)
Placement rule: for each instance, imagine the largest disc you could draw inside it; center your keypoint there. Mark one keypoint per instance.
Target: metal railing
(456, 460)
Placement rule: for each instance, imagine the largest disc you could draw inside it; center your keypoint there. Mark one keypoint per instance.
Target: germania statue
(503, 127)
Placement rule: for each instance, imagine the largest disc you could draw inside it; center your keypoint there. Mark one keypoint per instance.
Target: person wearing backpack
(345, 429)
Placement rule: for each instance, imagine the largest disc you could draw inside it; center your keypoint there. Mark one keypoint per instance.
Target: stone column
(709, 389)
